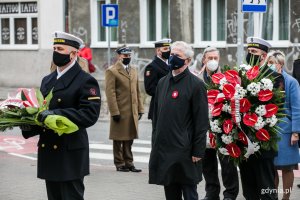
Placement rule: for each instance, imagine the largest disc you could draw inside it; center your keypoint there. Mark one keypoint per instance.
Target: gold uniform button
(43, 145)
(59, 100)
(55, 147)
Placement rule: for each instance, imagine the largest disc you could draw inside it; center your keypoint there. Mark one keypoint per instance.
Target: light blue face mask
(273, 67)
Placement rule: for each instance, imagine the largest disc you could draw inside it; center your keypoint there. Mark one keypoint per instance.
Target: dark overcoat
(153, 73)
(180, 122)
(76, 95)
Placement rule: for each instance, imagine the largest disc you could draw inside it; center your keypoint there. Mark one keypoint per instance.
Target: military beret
(258, 43)
(163, 43)
(123, 50)
(67, 39)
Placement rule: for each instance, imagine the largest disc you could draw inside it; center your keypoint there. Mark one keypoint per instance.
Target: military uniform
(258, 171)
(154, 71)
(63, 161)
(124, 100)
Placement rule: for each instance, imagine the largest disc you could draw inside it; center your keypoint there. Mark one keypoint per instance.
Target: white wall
(26, 68)
(51, 18)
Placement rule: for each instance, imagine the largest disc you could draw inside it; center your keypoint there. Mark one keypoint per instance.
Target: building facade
(201, 23)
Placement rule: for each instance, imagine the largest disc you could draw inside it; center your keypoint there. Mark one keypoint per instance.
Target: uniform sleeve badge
(148, 73)
(93, 91)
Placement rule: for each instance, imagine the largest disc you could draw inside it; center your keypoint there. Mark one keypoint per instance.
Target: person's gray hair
(278, 56)
(210, 49)
(184, 47)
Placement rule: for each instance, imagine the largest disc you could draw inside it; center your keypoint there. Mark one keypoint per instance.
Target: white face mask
(212, 65)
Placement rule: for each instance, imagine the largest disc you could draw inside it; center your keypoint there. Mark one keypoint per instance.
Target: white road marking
(106, 156)
(110, 147)
(23, 156)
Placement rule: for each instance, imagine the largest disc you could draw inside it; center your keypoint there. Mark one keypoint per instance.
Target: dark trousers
(258, 176)
(68, 190)
(229, 176)
(122, 153)
(175, 192)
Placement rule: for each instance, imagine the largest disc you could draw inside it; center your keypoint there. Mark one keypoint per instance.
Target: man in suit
(126, 108)
(157, 69)
(210, 63)
(63, 161)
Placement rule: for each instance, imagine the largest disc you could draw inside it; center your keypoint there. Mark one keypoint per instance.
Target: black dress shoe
(205, 198)
(133, 169)
(122, 169)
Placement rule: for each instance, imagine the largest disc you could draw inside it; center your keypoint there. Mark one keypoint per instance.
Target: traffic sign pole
(108, 50)
(240, 36)
(110, 15)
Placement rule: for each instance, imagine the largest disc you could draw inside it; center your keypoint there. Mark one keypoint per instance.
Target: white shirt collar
(125, 66)
(165, 61)
(59, 74)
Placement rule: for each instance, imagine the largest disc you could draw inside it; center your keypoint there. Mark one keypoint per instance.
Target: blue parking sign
(110, 15)
(254, 6)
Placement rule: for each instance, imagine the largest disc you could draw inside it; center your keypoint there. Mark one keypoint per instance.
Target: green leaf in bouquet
(39, 97)
(48, 99)
(16, 113)
(31, 110)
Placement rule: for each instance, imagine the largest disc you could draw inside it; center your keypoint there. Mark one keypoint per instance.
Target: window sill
(19, 47)
(204, 44)
(280, 43)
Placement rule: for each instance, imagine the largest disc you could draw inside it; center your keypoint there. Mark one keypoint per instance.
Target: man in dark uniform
(258, 171)
(157, 69)
(180, 122)
(296, 70)
(296, 75)
(210, 63)
(63, 161)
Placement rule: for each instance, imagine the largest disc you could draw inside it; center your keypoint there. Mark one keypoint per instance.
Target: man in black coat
(157, 69)
(296, 70)
(296, 75)
(180, 122)
(63, 161)
(258, 171)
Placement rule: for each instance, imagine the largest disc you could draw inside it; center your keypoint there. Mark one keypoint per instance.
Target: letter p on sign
(109, 15)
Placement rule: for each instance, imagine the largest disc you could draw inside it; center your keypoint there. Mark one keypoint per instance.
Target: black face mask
(252, 59)
(166, 54)
(126, 61)
(176, 62)
(61, 60)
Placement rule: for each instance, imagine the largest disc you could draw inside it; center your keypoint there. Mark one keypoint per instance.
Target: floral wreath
(244, 109)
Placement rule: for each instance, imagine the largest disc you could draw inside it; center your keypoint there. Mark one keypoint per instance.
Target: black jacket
(153, 73)
(296, 70)
(180, 122)
(76, 95)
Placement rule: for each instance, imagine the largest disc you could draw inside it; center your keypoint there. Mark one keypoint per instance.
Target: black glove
(140, 115)
(25, 127)
(116, 118)
(43, 115)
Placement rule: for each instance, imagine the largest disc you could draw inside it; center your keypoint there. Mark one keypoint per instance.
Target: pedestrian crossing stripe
(107, 156)
(110, 147)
